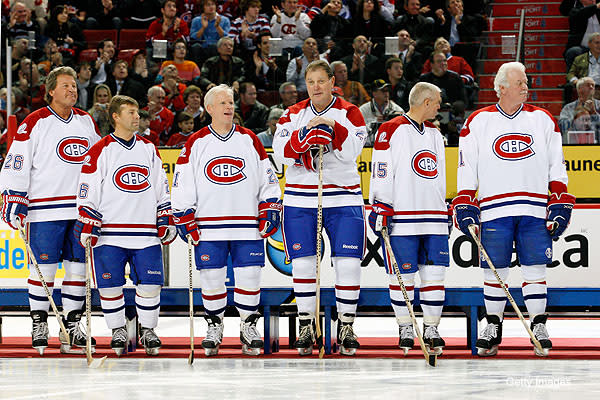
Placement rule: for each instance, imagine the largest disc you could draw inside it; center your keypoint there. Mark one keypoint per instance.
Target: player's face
(222, 108)
(517, 90)
(65, 94)
(432, 106)
(128, 119)
(319, 87)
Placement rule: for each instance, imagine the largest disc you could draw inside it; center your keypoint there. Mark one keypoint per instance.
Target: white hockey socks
(147, 304)
(73, 286)
(493, 294)
(214, 292)
(247, 290)
(113, 306)
(305, 284)
(397, 298)
(347, 284)
(432, 292)
(38, 301)
(534, 289)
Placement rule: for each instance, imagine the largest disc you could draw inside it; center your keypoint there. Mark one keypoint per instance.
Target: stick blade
(432, 360)
(191, 358)
(96, 363)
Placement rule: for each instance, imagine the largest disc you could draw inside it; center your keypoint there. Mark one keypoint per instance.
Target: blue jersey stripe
(228, 226)
(315, 194)
(50, 206)
(513, 202)
(113, 310)
(416, 220)
(128, 233)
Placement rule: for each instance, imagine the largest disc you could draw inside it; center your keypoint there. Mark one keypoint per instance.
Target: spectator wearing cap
(379, 109)
(400, 87)
(353, 91)
(266, 136)
(188, 70)
(253, 112)
(362, 66)
(337, 92)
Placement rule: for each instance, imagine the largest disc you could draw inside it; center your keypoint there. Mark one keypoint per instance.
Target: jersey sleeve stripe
(48, 199)
(514, 194)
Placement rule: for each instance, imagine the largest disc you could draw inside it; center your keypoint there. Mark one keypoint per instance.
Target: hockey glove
(14, 209)
(380, 216)
(165, 225)
(185, 221)
(87, 227)
(466, 208)
(305, 138)
(269, 217)
(310, 159)
(558, 211)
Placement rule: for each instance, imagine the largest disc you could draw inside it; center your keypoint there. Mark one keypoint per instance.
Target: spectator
(144, 128)
(297, 66)
(19, 51)
(363, 66)
(173, 89)
(85, 87)
(224, 68)
(141, 13)
(419, 28)
(253, 112)
(587, 64)
(291, 25)
(288, 95)
(188, 10)
(455, 63)
(369, 22)
(143, 70)
(245, 29)
(17, 109)
(185, 122)
(29, 82)
(206, 30)
(38, 12)
(263, 71)
(52, 57)
(67, 35)
(449, 82)
(99, 110)
(582, 23)
(21, 22)
(229, 9)
(170, 27)
(188, 70)
(352, 91)
(585, 104)
(567, 5)
(412, 59)
(120, 82)
(379, 109)
(329, 25)
(104, 14)
(193, 106)
(103, 64)
(266, 136)
(161, 118)
(456, 26)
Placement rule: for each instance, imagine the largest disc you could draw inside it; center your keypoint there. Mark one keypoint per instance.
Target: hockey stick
(318, 332)
(88, 308)
(473, 230)
(43, 281)
(191, 299)
(431, 358)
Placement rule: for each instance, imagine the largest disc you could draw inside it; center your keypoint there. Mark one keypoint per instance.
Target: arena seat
(132, 39)
(89, 55)
(95, 36)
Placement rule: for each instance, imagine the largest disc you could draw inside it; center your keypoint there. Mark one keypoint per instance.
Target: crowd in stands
(210, 42)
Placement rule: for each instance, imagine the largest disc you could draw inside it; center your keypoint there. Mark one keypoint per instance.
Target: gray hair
(275, 113)
(224, 39)
(210, 95)
(592, 37)
(582, 81)
(502, 74)
(335, 64)
(422, 91)
(154, 90)
(284, 85)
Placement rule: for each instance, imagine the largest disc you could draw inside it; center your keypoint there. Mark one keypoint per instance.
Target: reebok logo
(154, 272)
(256, 254)
(349, 246)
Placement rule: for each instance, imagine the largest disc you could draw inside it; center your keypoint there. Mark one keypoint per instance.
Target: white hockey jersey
(292, 31)
(125, 183)
(409, 173)
(341, 182)
(224, 179)
(45, 160)
(510, 160)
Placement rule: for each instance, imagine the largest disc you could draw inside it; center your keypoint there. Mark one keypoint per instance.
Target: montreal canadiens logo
(513, 146)
(132, 178)
(72, 149)
(225, 170)
(424, 164)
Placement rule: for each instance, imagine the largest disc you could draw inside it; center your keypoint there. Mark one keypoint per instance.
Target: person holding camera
(379, 109)
(99, 111)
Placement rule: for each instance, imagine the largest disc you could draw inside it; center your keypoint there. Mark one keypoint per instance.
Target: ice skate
(249, 336)
(119, 340)
(150, 341)
(39, 331)
(345, 336)
(75, 343)
(433, 340)
(538, 326)
(487, 344)
(214, 335)
(407, 337)
(306, 338)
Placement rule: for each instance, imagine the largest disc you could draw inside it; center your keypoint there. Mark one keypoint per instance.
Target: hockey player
(38, 183)
(339, 126)
(510, 156)
(125, 211)
(226, 200)
(409, 158)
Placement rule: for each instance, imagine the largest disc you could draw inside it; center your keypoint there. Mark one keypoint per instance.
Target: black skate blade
(320, 346)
